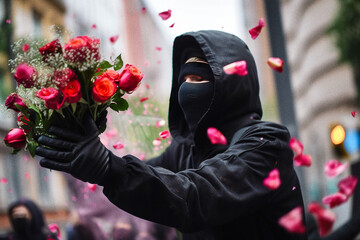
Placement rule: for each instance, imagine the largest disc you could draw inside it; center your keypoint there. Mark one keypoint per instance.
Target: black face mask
(22, 226)
(194, 100)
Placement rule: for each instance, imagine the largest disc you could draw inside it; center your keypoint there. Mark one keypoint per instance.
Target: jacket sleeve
(221, 189)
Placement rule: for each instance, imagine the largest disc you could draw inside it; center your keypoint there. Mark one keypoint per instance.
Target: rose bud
(50, 49)
(130, 78)
(103, 89)
(51, 96)
(25, 74)
(72, 91)
(12, 100)
(15, 138)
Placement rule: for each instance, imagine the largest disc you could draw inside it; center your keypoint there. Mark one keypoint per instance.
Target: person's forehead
(196, 59)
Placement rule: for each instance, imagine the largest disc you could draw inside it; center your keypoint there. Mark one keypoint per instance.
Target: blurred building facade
(324, 90)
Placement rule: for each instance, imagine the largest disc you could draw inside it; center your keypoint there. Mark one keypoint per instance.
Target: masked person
(27, 222)
(206, 191)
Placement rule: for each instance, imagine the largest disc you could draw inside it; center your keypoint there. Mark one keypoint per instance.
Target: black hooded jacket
(214, 191)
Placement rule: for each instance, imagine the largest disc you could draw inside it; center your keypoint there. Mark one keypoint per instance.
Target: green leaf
(105, 65)
(121, 104)
(73, 106)
(98, 73)
(118, 63)
(31, 146)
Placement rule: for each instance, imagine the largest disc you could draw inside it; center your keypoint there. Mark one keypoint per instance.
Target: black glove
(101, 121)
(79, 152)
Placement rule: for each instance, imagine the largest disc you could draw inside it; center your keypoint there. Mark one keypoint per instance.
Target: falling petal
(46, 178)
(293, 221)
(27, 175)
(3, 180)
(157, 142)
(333, 168)
(143, 10)
(238, 68)
(158, 48)
(172, 25)
(160, 123)
(296, 146)
(147, 86)
(293, 188)
(93, 26)
(273, 180)
(114, 38)
(276, 63)
(8, 21)
(325, 218)
(165, 15)
(353, 113)
(118, 146)
(334, 199)
(347, 185)
(111, 133)
(164, 134)
(215, 136)
(25, 47)
(303, 160)
(144, 99)
(255, 31)
(92, 187)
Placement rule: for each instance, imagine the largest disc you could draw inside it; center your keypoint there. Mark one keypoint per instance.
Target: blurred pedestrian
(27, 222)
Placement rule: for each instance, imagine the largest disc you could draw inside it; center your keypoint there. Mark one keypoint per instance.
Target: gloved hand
(79, 153)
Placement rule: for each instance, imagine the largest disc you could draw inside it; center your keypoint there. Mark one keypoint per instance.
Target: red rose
(15, 138)
(51, 96)
(81, 48)
(13, 99)
(25, 75)
(62, 77)
(114, 75)
(130, 78)
(72, 91)
(50, 49)
(103, 89)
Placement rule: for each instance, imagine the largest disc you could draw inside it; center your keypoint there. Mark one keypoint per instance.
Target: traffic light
(345, 141)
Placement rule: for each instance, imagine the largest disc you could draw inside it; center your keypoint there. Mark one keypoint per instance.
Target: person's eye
(192, 78)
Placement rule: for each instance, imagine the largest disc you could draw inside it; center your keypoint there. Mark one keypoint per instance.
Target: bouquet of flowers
(55, 82)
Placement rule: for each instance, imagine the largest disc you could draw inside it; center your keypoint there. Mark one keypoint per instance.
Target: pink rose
(15, 138)
(50, 49)
(12, 100)
(25, 75)
(51, 96)
(103, 89)
(130, 78)
(81, 48)
(114, 75)
(72, 91)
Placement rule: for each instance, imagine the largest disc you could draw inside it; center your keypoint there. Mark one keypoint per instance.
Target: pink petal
(8, 21)
(215, 136)
(276, 63)
(353, 113)
(303, 160)
(158, 48)
(347, 185)
(238, 68)
(165, 15)
(3, 180)
(293, 221)
(273, 180)
(144, 99)
(27, 175)
(118, 146)
(111, 133)
(333, 168)
(325, 218)
(143, 10)
(157, 142)
(93, 26)
(172, 25)
(296, 146)
(255, 31)
(91, 186)
(164, 134)
(25, 47)
(335, 199)
(160, 123)
(114, 38)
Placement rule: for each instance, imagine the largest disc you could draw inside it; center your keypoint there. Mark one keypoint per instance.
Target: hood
(37, 220)
(235, 101)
